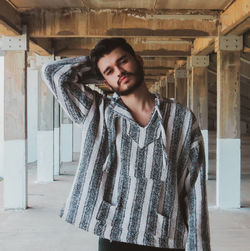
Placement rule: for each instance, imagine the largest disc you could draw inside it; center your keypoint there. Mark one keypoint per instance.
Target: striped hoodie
(140, 185)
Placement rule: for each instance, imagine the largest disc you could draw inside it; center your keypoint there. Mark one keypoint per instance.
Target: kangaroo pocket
(106, 212)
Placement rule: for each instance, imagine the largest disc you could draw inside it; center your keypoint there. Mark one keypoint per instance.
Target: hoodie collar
(119, 107)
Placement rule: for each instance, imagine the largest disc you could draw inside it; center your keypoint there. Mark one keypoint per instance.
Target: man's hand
(81, 72)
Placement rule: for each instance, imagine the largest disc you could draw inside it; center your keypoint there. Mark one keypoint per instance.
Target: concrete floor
(39, 228)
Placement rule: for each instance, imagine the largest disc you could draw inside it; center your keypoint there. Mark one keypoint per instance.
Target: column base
(228, 173)
(66, 142)
(15, 174)
(45, 156)
(56, 151)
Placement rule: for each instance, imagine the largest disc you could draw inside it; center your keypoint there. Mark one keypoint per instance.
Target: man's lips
(123, 78)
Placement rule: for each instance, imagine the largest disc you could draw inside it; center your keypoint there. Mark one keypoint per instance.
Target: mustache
(124, 74)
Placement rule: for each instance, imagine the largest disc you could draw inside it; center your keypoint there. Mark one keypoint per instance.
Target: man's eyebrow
(121, 58)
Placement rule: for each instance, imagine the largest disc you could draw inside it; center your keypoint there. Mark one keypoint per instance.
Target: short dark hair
(105, 46)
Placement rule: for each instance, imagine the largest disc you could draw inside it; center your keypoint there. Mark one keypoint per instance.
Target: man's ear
(140, 60)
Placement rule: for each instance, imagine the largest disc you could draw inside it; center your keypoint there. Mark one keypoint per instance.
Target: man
(140, 183)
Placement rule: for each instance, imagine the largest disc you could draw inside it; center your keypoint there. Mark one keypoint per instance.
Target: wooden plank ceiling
(128, 4)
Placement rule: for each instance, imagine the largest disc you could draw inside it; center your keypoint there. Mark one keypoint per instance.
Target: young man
(140, 183)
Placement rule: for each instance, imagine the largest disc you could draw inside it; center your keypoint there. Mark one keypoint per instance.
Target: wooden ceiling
(127, 4)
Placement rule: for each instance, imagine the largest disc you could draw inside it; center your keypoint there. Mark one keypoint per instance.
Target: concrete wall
(32, 82)
(1, 113)
(77, 138)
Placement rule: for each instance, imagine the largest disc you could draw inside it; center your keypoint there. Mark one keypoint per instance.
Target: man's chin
(129, 90)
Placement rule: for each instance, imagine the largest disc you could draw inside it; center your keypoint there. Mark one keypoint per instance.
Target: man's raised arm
(67, 79)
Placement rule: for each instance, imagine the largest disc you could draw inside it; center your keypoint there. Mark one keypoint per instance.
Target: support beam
(10, 18)
(203, 46)
(55, 23)
(15, 131)
(228, 163)
(56, 137)
(143, 46)
(237, 13)
(11, 25)
(181, 86)
(171, 86)
(45, 142)
(32, 116)
(199, 97)
(66, 139)
(1, 115)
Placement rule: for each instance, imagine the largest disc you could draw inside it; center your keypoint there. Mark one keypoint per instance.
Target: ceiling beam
(11, 25)
(143, 46)
(203, 46)
(110, 23)
(234, 16)
(10, 17)
(234, 21)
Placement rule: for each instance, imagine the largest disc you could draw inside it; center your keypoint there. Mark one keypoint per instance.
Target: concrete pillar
(189, 81)
(171, 86)
(56, 138)
(199, 97)
(66, 138)
(45, 134)
(1, 114)
(228, 161)
(163, 87)
(32, 82)
(166, 87)
(157, 87)
(77, 139)
(15, 130)
(181, 86)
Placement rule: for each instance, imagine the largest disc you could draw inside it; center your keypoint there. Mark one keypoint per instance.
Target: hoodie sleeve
(67, 79)
(198, 238)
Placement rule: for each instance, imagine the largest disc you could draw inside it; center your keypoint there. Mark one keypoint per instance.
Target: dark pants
(106, 245)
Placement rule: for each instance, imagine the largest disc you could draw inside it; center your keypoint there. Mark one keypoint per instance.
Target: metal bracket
(14, 43)
(199, 61)
(170, 79)
(41, 60)
(180, 73)
(229, 43)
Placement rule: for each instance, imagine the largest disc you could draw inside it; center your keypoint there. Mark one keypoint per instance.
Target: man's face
(122, 72)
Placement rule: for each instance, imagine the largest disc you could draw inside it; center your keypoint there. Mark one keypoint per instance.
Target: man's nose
(120, 71)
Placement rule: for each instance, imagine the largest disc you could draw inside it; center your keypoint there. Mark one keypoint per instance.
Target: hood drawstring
(111, 158)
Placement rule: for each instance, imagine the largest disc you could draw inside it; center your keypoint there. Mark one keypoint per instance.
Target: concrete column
(171, 86)
(189, 82)
(166, 87)
(181, 86)
(199, 97)
(32, 82)
(1, 114)
(77, 139)
(157, 87)
(45, 134)
(163, 87)
(228, 161)
(15, 130)
(56, 138)
(66, 138)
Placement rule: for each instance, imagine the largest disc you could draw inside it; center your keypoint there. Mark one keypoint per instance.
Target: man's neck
(141, 100)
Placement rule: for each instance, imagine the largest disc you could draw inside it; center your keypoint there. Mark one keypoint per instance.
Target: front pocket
(106, 212)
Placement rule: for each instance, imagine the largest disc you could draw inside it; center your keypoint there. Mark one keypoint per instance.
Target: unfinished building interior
(197, 52)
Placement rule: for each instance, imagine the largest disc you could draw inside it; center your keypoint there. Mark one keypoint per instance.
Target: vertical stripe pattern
(141, 185)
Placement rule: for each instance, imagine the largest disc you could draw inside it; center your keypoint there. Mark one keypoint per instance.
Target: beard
(139, 78)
